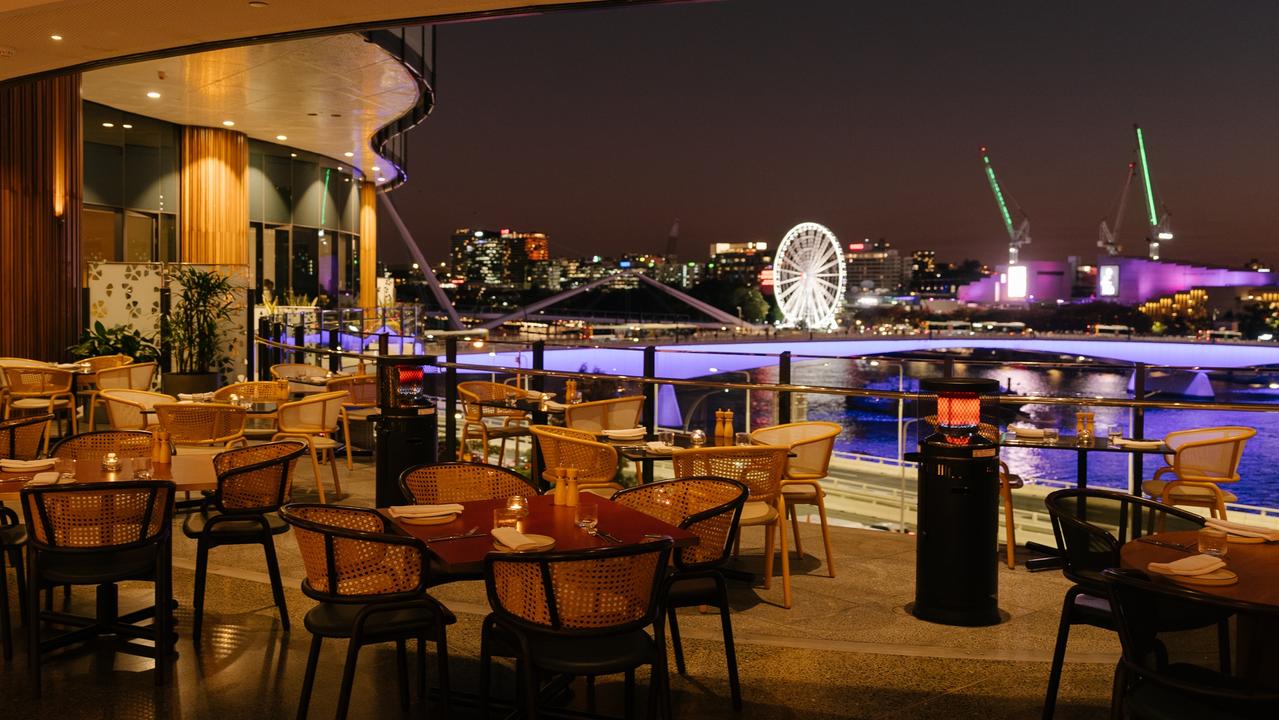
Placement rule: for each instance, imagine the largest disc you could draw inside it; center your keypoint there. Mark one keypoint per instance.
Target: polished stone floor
(847, 649)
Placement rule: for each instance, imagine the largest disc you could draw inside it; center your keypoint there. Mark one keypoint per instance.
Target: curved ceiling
(93, 32)
(327, 95)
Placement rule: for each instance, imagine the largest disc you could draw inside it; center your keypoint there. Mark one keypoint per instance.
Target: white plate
(544, 542)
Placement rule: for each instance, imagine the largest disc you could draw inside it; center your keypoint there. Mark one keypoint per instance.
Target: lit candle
(517, 503)
(111, 461)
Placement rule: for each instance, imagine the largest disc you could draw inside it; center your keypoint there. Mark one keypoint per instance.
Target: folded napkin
(514, 539)
(552, 405)
(196, 397)
(1242, 530)
(626, 434)
(68, 366)
(1193, 565)
(1026, 431)
(424, 511)
(44, 478)
(1138, 444)
(11, 465)
(661, 447)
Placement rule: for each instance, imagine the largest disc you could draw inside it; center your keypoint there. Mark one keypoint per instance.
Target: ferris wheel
(809, 276)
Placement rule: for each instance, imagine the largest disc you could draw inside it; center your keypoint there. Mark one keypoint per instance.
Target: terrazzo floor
(847, 649)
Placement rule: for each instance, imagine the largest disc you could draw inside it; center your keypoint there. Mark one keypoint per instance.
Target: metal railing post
(538, 381)
(783, 397)
(650, 389)
(335, 360)
(1138, 429)
(264, 351)
(250, 332)
(299, 339)
(450, 399)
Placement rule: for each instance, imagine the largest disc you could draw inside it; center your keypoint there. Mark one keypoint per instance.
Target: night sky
(743, 117)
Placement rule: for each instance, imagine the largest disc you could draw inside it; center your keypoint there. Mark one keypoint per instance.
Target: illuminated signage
(856, 247)
(766, 277)
(1016, 281)
(1108, 281)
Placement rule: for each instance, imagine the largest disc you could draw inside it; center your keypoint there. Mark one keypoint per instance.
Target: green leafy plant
(116, 340)
(193, 327)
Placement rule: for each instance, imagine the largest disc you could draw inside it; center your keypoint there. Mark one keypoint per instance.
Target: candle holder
(111, 462)
(518, 504)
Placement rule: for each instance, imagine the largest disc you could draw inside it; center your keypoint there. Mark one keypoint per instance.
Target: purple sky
(743, 117)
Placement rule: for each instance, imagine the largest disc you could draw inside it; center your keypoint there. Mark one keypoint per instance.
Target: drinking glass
(666, 437)
(1051, 435)
(142, 468)
(742, 438)
(1114, 432)
(1213, 542)
(506, 517)
(697, 438)
(587, 515)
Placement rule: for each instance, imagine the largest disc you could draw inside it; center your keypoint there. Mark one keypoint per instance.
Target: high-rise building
(739, 263)
(876, 266)
(497, 258)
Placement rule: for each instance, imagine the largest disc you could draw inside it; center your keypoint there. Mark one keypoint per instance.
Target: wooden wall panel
(41, 183)
(214, 220)
(368, 245)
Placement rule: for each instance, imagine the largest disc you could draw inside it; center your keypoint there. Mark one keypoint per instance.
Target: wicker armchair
(8, 362)
(101, 534)
(257, 391)
(41, 390)
(208, 425)
(371, 584)
(91, 446)
(455, 482)
(491, 423)
(133, 409)
(1202, 460)
(361, 391)
(289, 371)
(811, 445)
(596, 462)
(13, 537)
(253, 482)
(21, 438)
(613, 414)
(103, 362)
(759, 468)
(710, 508)
(118, 377)
(314, 420)
(577, 613)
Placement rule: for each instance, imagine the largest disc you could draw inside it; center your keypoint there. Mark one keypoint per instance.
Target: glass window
(139, 237)
(169, 237)
(100, 231)
(305, 274)
(283, 282)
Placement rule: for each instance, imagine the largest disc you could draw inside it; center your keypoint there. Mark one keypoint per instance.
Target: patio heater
(956, 571)
(407, 427)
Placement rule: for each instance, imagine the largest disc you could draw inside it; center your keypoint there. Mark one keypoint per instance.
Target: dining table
(190, 473)
(463, 557)
(1082, 448)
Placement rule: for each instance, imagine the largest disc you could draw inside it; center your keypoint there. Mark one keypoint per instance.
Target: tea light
(517, 504)
(111, 461)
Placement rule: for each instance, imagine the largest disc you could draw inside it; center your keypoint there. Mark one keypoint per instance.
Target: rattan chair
(1160, 676)
(256, 391)
(596, 462)
(811, 446)
(371, 584)
(613, 414)
(290, 371)
(13, 536)
(709, 508)
(456, 482)
(102, 362)
(253, 483)
(759, 468)
(361, 391)
(91, 446)
(21, 438)
(202, 425)
(101, 534)
(121, 377)
(8, 362)
(314, 420)
(1202, 460)
(133, 409)
(42, 390)
(1091, 526)
(583, 613)
(491, 423)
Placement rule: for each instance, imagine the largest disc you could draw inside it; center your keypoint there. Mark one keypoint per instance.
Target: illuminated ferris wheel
(809, 277)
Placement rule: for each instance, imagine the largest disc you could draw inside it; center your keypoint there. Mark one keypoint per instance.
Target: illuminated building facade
(498, 258)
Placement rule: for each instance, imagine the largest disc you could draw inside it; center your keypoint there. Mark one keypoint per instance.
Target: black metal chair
(12, 537)
(253, 482)
(1156, 680)
(709, 507)
(579, 613)
(101, 534)
(1091, 526)
(371, 584)
(453, 482)
(21, 438)
(91, 446)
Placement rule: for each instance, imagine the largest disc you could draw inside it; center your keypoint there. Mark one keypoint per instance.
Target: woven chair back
(99, 516)
(1209, 453)
(613, 414)
(569, 448)
(9, 362)
(124, 407)
(91, 446)
(20, 438)
(454, 482)
(475, 391)
(256, 479)
(758, 467)
(593, 592)
(708, 507)
(276, 391)
(286, 371)
(200, 423)
(36, 381)
(103, 362)
(359, 389)
(351, 555)
(811, 443)
(127, 377)
(318, 413)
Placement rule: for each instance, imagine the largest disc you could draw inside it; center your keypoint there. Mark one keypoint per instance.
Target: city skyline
(743, 118)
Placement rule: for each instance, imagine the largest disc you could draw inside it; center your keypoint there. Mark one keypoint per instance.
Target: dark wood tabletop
(190, 473)
(1257, 566)
(466, 557)
(1071, 442)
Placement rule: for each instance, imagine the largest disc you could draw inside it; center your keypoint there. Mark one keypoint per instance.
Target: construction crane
(1160, 231)
(1018, 235)
(1109, 239)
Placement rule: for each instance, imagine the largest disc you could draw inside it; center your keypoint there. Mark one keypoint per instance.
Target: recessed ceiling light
(349, 154)
(381, 179)
(153, 95)
(281, 137)
(108, 124)
(258, 4)
(55, 37)
(340, 168)
(229, 123)
(377, 169)
(293, 154)
(127, 126)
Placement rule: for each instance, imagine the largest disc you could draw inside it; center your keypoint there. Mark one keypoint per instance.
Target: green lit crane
(1108, 239)
(1160, 231)
(1019, 234)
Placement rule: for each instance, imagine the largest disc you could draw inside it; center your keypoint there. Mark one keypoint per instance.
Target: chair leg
(1223, 645)
(1010, 530)
(1059, 655)
(794, 525)
(346, 441)
(33, 626)
(486, 664)
(830, 556)
(277, 587)
(530, 689)
(4, 612)
(402, 672)
(315, 466)
(333, 465)
(421, 668)
(769, 532)
(308, 680)
(781, 540)
(442, 669)
(730, 650)
(629, 695)
(348, 676)
(675, 641)
(15, 559)
(164, 635)
(197, 603)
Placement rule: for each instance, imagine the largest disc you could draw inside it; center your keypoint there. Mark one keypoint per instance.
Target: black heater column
(407, 427)
(956, 568)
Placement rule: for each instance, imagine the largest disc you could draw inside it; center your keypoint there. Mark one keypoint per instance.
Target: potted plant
(194, 331)
(115, 340)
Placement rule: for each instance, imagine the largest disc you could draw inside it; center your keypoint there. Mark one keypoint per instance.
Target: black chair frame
(12, 538)
(12, 425)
